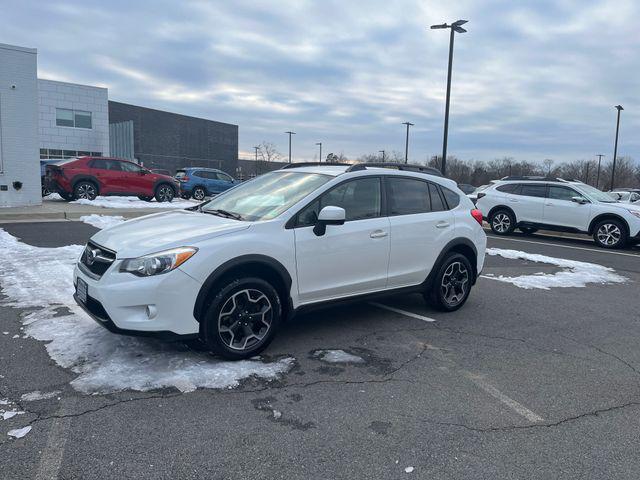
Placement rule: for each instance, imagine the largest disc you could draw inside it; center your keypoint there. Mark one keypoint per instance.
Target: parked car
(88, 177)
(570, 206)
(473, 196)
(198, 182)
(626, 196)
(466, 188)
(161, 171)
(43, 174)
(229, 271)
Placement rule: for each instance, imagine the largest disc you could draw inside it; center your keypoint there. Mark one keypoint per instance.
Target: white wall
(54, 95)
(19, 155)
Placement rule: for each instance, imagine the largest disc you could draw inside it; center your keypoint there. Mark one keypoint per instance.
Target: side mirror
(144, 172)
(329, 216)
(580, 200)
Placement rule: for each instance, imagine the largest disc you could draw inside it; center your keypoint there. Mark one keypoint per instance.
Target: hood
(626, 206)
(160, 231)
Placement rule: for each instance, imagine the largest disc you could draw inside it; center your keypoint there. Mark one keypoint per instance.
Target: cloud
(531, 80)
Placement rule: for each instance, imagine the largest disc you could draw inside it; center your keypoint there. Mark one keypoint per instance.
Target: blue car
(198, 182)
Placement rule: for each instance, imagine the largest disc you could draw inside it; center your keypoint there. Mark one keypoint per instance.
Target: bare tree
(268, 153)
(548, 163)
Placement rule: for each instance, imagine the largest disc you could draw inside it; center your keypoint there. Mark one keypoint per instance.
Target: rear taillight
(184, 179)
(477, 214)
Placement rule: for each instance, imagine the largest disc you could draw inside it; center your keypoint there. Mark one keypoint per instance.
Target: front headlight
(635, 213)
(157, 263)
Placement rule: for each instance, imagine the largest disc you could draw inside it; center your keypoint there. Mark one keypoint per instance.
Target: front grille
(97, 259)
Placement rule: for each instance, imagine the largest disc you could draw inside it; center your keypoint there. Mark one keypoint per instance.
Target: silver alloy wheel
(165, 193)
(245, 319)
(609, 234)
(501, 222)
(455, 283)
(198, 193)
(86, 191)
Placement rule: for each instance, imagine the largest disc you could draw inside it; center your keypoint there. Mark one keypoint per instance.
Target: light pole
(406, 144)
(382, 152)
(320, 157)
(598, 176)
(615, 148)
(290, 133)
(455, 27)
(257, 148)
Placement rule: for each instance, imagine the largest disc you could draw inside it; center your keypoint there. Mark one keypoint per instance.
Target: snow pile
(19, 432)
(102, 221)
(134, 202)
(38, 395)
(10, 414)
(576, 274)
(42, 277)
(337, 356)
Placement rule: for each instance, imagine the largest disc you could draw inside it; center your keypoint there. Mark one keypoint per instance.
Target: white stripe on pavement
(509, 402)
(598, 250)
(403, 312)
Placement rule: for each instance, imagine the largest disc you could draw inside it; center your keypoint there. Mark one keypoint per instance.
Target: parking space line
(497, 394)
(598, 250)
(403, 312)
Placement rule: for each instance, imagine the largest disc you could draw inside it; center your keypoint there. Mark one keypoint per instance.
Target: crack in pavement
(604, 352)
(593, 413)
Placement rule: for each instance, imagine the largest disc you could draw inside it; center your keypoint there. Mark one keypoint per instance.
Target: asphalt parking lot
(519, 383)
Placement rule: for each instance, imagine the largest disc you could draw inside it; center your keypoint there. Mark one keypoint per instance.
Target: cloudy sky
(532, 80)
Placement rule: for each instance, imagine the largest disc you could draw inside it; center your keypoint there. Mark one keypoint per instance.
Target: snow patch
(19, 432)
(134, 202)
(104, 362)
(38, 395)
(4, 401)
(337, 356)
(102, 221)
(576, 274)
(10, 414)
(408, 470)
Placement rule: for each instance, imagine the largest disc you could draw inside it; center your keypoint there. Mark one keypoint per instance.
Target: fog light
(152, 311)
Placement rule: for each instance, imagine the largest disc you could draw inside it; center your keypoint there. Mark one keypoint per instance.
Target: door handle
(378, 234)
(442, 225)
(513, 200)
(549, 204)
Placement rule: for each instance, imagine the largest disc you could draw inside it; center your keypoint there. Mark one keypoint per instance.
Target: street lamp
(600, 155)
(382, 152)
(615, 148)
(290, 133)
(257, 148)
(455, 27)
(406, 145)
(320, 157)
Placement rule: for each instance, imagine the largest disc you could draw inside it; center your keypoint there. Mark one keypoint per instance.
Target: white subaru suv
(229, 271)
(532, 203)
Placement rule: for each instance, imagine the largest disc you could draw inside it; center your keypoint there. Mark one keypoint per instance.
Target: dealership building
(51, 120)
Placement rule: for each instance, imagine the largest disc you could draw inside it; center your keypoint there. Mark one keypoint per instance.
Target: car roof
(200, 168)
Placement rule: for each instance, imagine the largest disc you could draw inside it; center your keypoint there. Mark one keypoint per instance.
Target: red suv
(88, 177)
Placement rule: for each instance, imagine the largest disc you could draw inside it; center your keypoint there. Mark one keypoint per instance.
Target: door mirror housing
(329, 215)
(580, 200)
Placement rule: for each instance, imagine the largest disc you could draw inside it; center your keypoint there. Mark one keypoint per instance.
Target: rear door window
(529, 190)
(452, 198)
(437, 204)
(507, 188)
(408, 196)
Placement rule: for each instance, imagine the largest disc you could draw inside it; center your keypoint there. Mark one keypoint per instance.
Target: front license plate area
(81, 290)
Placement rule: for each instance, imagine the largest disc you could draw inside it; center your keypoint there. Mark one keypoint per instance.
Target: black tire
(186, 196)
(227, 310)
(452, 284)
(66, 196)
(528, 230)
(165, 193)
(45, 191)
(199, 193)
(145, 198)
(86, 190)
(610, 233)
(502, 222)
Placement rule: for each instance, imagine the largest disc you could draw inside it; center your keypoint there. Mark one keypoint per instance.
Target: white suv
(230, 271)
(530, 203)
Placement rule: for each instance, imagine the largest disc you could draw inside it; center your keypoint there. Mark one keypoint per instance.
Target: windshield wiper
(223, 213)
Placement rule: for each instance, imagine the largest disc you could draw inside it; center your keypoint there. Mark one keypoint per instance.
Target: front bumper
(160, 306)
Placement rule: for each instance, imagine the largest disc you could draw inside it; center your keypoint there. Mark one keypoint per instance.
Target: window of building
(57, 154)
(66, 117)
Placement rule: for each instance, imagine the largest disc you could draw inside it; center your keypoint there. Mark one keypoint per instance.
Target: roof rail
(398, 166)
(314, 164)
(538, 178)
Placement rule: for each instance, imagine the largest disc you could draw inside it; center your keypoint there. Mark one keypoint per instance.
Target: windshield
(595, 194)
(267, 196)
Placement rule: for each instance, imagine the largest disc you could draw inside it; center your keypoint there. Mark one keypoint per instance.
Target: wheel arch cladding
(260, 266)
(607, 216)
(85, 178)
(463, 246)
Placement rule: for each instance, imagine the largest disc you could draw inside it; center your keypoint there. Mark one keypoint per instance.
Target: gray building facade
(170, 140)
